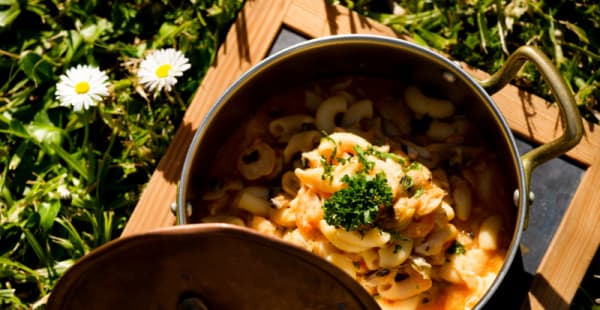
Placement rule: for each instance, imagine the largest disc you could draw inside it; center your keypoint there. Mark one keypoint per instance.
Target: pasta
(325, 118)
(421, 105)
(415, 217)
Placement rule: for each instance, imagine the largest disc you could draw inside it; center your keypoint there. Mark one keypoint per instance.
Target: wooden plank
(247, 42)
(528, 115)
(572, 248)
(316, 19)
(539, 121)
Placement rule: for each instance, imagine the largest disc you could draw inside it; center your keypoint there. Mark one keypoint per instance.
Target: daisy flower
(82, 87)
(160, 69)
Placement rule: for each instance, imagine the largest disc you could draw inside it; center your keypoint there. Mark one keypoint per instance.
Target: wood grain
(572, 249)
(247, 42)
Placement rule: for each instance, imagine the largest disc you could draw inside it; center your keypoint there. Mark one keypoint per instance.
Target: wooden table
(562, 238)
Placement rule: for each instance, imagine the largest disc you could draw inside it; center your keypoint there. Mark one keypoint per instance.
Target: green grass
(69, 181)
(483, 33)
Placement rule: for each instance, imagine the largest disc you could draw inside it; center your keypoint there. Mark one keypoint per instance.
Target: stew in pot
(396, 187)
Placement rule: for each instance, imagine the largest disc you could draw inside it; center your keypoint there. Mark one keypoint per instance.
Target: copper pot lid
(205, 266)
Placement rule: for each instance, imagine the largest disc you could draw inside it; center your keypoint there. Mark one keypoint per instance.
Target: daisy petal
(160, 69)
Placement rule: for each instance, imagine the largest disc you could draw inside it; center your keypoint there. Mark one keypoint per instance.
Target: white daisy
(160, 69)
(82, 87)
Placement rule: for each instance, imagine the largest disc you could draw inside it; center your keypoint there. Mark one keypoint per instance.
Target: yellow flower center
(82, 87)
(163, 71)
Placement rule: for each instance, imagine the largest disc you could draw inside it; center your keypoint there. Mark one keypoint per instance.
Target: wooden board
(249, 41)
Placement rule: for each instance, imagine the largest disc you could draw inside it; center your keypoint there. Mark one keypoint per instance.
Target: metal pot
(389, 57)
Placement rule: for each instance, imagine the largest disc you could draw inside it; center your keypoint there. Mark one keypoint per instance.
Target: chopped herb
(418, 192)
(415, 165)
(358, 206)
(406, 182)
(362, 157)
(356, 265)
(456, 248)
(330, 139)
(327, 169)
(397, 248)
(341, 160)
(386, 155)
(394, 234)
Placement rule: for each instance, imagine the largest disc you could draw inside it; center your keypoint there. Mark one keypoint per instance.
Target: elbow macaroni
(437, 235)
(325, 118)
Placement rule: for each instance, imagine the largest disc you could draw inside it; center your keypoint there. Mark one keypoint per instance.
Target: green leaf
(75, 240)
(484, 32)
(35, 245)
(10, 234)
(92, 32)
(33, 221)
(70, 160)
(580, 32)
(17, 129)
(10, 14)
(165, 34)
(74, 42)
(214, 10)
(17, 157)
(36, 68)
(5, 261)
(42, 130)
(48, 212)
(434, 40)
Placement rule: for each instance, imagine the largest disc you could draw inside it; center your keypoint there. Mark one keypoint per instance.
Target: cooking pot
(347, 55)
(200, 266)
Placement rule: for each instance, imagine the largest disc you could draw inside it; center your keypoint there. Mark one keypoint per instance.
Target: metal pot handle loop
(562, 94)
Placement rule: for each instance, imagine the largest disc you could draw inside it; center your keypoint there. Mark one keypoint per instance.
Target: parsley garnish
(384, 155)
(457, 248)
(327, 169)
(357, 206)
(334, 153)
(415, 165)
(418, 192)
(406, 182)
(362, 157)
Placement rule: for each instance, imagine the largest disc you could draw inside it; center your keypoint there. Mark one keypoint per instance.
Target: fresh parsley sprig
(358, 206)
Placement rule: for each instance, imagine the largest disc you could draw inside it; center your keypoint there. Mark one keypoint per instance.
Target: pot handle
(562, 94)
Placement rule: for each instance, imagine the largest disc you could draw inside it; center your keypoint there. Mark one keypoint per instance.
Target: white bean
(489, 232)
(463, 200)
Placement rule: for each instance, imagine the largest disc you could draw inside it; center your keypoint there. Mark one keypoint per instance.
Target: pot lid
(205, 266)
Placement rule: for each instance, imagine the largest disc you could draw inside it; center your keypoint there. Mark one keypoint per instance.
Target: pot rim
(520, 201)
